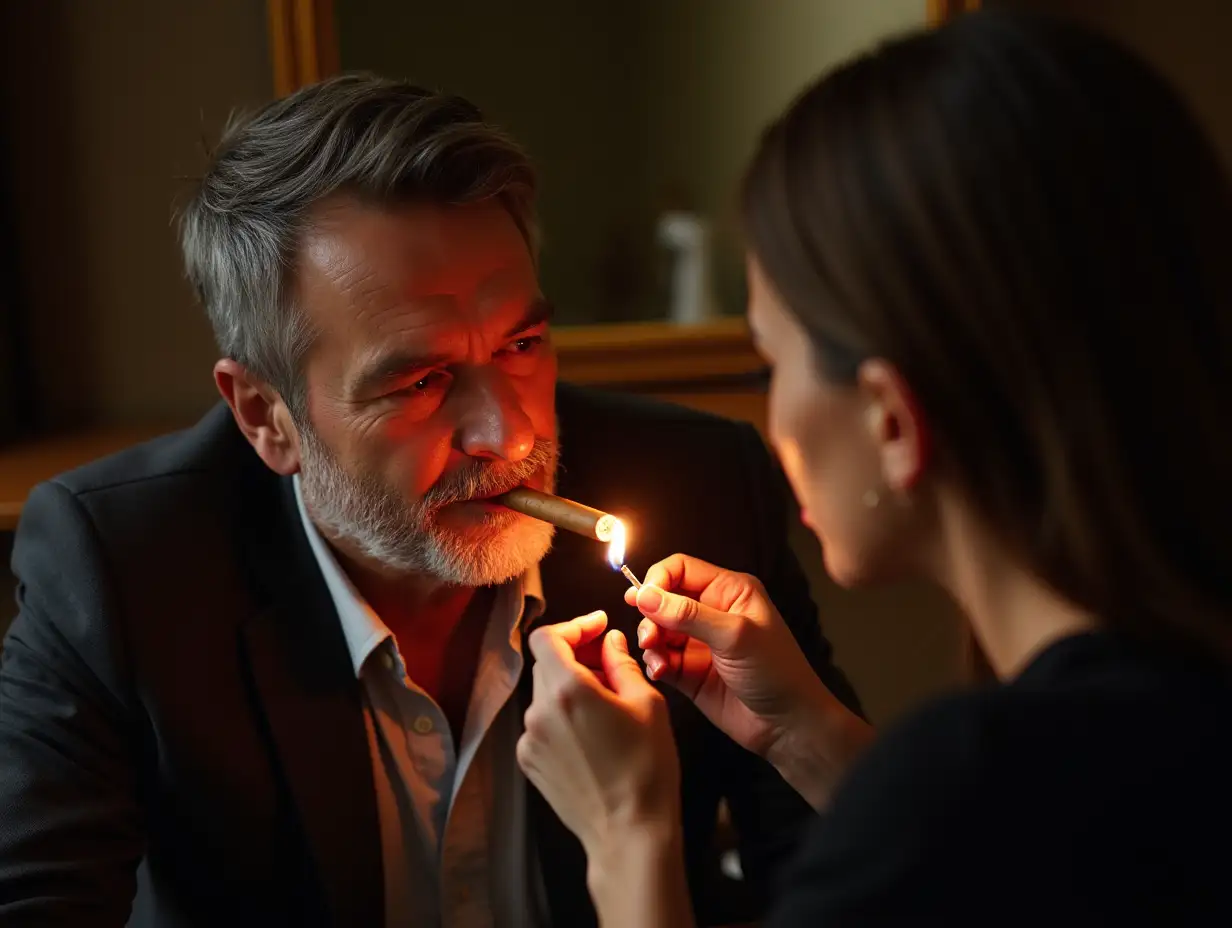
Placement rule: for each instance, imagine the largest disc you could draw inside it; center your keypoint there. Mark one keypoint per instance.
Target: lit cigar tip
(605, 528)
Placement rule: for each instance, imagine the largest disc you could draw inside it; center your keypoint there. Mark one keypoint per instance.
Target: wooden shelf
(711, 367)
(645, 355)
(26, 464)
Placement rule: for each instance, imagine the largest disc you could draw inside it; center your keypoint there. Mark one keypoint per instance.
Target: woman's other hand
(603, 756)
(715, 636)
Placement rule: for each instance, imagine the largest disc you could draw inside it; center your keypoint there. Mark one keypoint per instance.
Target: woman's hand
(605, 759)
(714, 635)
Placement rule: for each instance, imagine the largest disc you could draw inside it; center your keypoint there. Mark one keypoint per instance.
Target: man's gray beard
(405, 537)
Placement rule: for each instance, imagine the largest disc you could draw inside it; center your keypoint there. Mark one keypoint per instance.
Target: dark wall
(106, 109)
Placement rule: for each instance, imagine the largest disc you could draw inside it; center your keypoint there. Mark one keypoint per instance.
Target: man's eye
(427, 383)
(424, 384)
(526, 344)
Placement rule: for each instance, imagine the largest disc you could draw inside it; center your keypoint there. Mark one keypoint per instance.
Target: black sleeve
(769, 816)
(71, 833)
(908, 839)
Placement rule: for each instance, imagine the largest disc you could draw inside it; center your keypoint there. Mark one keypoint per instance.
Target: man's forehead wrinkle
(363, 288)
(428, 327)
(359, 281)
(413, 334)
(369, 294)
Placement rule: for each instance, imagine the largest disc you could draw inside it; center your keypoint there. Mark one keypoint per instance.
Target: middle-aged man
(271, 670)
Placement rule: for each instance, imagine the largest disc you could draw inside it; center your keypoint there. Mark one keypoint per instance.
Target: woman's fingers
(685, 669)
(663, 665)
(556, 644)
(688, 617)
(650, 635)
(579, 631)
(709, 584)
(680, 572)
(624, 677)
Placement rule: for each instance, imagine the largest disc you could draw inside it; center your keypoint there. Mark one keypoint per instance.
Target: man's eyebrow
(537, 313)
(396, 366)
(392, 368)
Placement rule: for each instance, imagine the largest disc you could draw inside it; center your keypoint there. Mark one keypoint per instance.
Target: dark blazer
(180, 726)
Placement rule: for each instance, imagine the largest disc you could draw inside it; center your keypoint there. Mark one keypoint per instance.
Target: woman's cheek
(785, 437)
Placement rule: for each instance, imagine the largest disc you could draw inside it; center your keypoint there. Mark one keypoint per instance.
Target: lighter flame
(616, 547)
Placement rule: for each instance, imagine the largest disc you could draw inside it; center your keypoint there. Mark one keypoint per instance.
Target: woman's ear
(895, 424)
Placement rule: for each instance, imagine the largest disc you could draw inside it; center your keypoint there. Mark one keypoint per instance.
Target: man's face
(430, 386)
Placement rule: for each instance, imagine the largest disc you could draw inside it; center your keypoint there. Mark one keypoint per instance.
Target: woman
(991, 266)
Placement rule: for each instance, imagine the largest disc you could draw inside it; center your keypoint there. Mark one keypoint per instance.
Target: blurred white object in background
(687, 235)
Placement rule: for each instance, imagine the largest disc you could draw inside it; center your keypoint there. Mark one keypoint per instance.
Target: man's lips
(491, 496)
(489, 499)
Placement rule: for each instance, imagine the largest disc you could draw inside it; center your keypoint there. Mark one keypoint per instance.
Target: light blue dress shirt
(452, 818)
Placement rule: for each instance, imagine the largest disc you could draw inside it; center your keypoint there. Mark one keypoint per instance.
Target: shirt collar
(362, 627)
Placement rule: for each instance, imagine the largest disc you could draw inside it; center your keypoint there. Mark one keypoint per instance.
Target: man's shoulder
(158, 494)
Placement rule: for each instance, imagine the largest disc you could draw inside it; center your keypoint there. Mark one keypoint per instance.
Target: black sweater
(1094, 789)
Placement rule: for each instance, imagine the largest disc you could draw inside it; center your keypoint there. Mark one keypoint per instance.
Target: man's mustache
(478, 481)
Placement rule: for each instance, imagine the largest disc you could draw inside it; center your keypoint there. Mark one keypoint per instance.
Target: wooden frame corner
(303, 41)
(941, 10)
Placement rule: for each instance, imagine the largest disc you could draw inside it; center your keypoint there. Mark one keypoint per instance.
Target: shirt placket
(429, 746)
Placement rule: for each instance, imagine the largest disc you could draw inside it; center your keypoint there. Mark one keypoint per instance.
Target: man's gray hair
(382, 141)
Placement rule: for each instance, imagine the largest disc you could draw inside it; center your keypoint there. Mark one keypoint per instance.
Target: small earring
(871, 498)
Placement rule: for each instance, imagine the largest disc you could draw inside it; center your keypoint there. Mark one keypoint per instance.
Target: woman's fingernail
(642, 635)
(649, 599)
(618, 640)
(653, 665)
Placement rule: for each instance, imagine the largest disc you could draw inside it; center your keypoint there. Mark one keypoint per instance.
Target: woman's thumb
(623, 674)
(677, 613)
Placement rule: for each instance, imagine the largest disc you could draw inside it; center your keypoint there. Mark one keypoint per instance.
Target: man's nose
(492, 423)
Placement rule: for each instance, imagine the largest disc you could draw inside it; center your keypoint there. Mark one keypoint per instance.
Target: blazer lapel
(305, 686)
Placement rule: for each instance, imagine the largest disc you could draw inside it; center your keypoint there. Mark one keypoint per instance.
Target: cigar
(563, 513)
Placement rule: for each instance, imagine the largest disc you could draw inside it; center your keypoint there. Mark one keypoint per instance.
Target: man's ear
(896, 425)
(261, 415)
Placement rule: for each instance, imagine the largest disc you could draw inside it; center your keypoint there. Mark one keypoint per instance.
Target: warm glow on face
(616, 547)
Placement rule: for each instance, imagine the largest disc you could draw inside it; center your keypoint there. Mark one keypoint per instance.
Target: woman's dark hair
(1028, 223)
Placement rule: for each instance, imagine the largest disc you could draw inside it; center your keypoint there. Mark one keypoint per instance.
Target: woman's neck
(1020, 619)
(1014, 615)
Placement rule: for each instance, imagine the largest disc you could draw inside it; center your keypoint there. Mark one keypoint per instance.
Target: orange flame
(616, 547)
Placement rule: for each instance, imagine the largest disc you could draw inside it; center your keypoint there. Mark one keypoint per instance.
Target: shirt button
(422, 725)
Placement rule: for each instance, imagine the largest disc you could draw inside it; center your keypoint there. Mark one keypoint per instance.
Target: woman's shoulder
(1088, 708)
(1093, 772)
